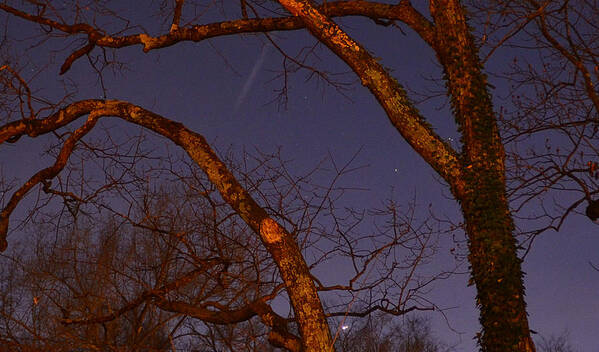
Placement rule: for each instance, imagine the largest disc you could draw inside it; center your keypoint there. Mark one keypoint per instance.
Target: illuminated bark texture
(281, 245)
(476, 175)
(477, 179)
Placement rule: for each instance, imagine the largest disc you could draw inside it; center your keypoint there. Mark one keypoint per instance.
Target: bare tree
(76, 277)
(476, 174)
(560, 343)
(553, 94)
(381, 333)
(173, 265)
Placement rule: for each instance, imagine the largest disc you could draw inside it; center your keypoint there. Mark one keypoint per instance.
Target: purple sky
(229, 104)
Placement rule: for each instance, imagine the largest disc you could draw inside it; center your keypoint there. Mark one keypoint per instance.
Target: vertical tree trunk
(494, 263)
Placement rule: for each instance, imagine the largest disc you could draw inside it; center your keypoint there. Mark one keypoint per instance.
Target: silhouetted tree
(381, 333)
(560, 343)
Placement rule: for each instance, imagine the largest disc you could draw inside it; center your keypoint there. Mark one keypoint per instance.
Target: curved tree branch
(402, 12)
(280, 244)
(43, 175)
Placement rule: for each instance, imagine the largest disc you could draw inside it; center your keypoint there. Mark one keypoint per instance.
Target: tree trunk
(281, 245)
(494, 263)
(476, 176)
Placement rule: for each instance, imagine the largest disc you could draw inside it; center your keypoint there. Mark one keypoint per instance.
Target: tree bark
(281, 245)
(494, 263)
(476, 176)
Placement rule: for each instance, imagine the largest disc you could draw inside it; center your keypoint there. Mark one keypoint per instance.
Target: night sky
(233, 103)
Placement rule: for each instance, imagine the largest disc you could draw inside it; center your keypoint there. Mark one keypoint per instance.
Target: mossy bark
(494, 262)
(476, 175)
